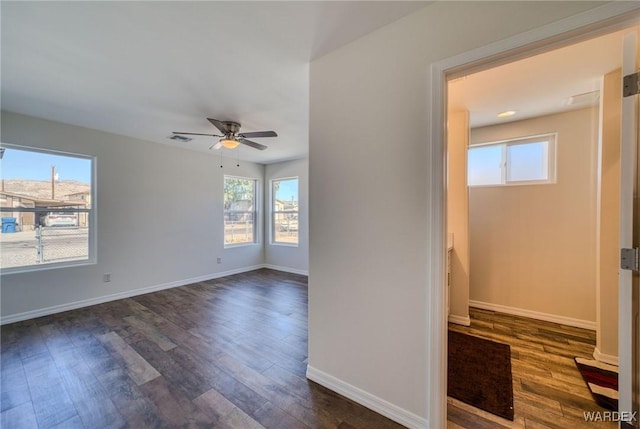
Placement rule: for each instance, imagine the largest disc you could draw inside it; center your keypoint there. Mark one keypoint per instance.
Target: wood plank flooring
(548, 390)
(231, 353)
(226, 353)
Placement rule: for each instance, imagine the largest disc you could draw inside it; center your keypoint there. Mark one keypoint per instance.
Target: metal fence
(62, 243)
(44, 245)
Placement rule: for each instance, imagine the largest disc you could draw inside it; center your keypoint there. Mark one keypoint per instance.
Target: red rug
(602, 381)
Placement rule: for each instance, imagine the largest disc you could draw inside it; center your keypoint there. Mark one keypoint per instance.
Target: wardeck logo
(610, 416)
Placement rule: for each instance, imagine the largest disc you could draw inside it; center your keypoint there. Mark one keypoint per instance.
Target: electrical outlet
(106, 277)
(219, 260)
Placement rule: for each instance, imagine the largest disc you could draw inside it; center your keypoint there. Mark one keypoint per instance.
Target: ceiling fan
(231, 138)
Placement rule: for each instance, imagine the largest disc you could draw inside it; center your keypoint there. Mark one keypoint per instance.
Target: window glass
(527, 160)
(485, 165)
(239, 210)
(285, 222)
(46, 209)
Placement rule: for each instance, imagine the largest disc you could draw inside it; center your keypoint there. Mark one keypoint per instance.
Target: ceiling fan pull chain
(238, 155)
(220, 159)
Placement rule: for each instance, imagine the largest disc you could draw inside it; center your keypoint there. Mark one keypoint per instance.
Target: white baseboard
(286, 269)
(610, 359)
(460, 320)
(379, 405)
(569, 321)
(128, 294)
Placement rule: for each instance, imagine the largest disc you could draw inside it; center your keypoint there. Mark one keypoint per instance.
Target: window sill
(284, 244)
(511, 184)
(44, 267)
(233, 246)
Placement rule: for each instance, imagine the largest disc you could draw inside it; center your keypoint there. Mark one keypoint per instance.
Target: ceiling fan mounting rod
(232, 127)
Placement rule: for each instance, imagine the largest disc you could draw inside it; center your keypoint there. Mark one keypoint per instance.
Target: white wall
(369, 110)
(609, 219)
(159, 221)
(458, 215)
(533, 247)
(289, 258)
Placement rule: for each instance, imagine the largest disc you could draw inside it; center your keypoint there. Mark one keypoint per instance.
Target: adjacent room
(229, 214)
(534, 219)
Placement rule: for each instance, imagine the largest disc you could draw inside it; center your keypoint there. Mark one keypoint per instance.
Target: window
(47, 215)
(527, 160)
(239, 210)
(284, 210)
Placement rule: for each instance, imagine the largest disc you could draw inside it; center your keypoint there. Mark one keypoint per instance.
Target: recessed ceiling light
(506, 114)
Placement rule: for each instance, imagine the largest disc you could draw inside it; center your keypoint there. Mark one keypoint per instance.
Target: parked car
(60, 219)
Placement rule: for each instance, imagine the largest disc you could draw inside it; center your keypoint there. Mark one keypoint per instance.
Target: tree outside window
(285, 210)
(239, 210)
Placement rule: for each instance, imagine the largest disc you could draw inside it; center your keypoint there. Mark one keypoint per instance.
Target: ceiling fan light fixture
(229, 143)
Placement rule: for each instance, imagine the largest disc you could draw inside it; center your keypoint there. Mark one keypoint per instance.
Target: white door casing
(627, 333)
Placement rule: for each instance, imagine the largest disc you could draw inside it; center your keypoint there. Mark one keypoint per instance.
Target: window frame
(273, 212)
(552, 145)
(91, 212)
(255, 213)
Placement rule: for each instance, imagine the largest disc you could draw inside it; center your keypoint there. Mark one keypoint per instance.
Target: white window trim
(552, 153)
(256, 213)
(92, 256)
(272, 212)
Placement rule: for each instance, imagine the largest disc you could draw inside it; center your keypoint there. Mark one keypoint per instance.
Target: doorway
(546, 39)
(536, 229)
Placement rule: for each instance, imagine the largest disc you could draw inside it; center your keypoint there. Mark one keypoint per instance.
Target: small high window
(527, 160)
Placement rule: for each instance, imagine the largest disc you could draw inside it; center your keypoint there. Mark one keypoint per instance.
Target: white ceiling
(145, 69)
(537, 85)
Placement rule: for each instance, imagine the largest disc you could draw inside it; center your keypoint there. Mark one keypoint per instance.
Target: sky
(485, 165)
(524, 162)
(28, 165)
(288, 188)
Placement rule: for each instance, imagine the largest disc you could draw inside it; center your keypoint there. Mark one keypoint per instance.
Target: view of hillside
(42, 188)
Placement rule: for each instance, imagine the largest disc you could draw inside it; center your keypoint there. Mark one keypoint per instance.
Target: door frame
(592, 23)
(628, 219)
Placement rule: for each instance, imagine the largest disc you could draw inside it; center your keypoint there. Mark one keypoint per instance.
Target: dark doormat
(602, 381)
(480, 373)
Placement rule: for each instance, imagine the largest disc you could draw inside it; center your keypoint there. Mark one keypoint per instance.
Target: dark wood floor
(226, 353)
(548, 390)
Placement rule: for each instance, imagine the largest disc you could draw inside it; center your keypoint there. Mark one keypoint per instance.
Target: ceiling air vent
(178, 138)
(586, 99)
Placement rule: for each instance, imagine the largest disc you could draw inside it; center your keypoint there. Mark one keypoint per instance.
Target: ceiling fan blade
(258, 134)
(196, 134)
(219, 125)
(252, 144)
(216, 146)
